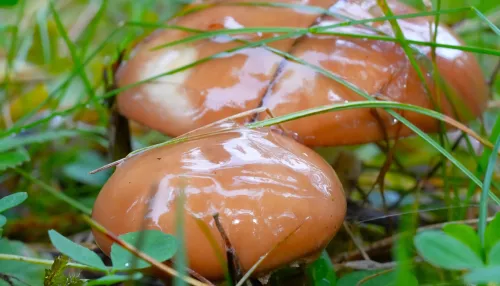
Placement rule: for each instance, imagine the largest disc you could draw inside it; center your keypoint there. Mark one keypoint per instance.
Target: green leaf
(442, 250)
(13, 158)
(12, 200)
(368, 278)
(3, 221)
(354, 277)
(83, 164)
(494, 255)
(30, 273)
(8, 3)
(492, 233)
(112, 279)
(154, 243)
(483, 275)
(321, 272)
(75, 251)
(465, 234)
(9, 143)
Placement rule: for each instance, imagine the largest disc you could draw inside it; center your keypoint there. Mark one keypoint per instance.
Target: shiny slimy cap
(255, 77)
(264, 186)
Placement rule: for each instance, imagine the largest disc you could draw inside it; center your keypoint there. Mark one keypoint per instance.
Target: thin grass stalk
(305, 113)
(483, 203)
(57, 194)
(48, 262)
(394, 114)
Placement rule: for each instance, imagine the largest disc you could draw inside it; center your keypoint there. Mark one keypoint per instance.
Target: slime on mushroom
(265, 187)
(262, 184)
(254, 77)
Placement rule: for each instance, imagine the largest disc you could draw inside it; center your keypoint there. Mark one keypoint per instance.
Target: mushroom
(380, 69)
(213, 90)
(272, 194)
(254, 77)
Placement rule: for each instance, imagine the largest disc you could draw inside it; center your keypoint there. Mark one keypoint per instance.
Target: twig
(388, 241)
(156, 264)
(181, 138)
(365, 265)
(356, 242)
(48, 262)
(370, 265)
(234, 265)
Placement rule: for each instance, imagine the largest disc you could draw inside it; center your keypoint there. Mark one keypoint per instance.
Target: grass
(76, 90)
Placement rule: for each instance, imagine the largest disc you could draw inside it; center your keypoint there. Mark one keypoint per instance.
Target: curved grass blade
(59, 195)
(369, 104)
(200, 61)
(22, 122)
(483, 208)
(394, 114)
(210, 34)
(493, 27)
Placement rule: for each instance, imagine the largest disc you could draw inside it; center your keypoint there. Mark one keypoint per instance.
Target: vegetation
(431, 220)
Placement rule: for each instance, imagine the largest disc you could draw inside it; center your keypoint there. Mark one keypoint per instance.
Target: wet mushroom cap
(254, 77)
(380, 69)
(264, 186)
(210, 91)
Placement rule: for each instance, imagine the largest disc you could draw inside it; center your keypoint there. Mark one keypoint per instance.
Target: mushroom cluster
(266, 187)
(254, 77)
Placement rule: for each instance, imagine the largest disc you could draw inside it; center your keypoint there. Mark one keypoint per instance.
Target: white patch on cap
(167, 92)
(231, 23)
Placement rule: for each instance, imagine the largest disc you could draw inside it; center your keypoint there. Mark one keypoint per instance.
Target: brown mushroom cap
(378, 68)
(250, 78)
(212, 90)
(263, 186)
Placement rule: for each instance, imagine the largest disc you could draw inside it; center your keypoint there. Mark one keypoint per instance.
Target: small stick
(280, 126)
(356, 242)
(233, 262)
(388, 241)
(156, 264)
(180, 138)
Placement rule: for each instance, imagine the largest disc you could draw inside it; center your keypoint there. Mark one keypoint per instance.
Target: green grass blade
(72, 49)
(493, 27)
(483, 162)
(200, 61)
(483, 208)
(57, 194)
(22, 122)
(397, 116)
(210, 34)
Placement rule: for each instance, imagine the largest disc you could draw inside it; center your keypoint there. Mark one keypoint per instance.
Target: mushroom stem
(118, 128)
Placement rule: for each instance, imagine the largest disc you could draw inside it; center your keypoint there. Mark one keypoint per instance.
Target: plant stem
(132, 249)
(47, 262)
